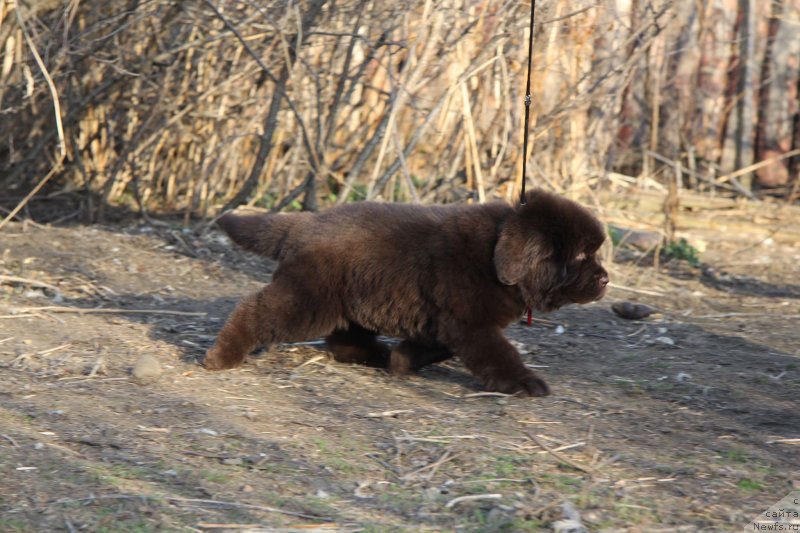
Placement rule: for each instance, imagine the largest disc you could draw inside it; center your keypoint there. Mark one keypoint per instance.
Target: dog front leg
(356, 345)
(498, 365)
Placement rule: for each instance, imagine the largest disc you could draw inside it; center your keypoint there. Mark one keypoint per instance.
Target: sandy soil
(685, 421)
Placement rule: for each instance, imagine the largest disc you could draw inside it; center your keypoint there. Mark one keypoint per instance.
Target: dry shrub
(194, 106)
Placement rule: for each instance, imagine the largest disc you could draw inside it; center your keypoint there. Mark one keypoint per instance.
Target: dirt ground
(684, 421)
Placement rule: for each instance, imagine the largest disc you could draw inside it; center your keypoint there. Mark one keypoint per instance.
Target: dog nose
(603, 281)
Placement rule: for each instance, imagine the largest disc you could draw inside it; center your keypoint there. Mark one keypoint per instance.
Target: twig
(51, 350)
(560, 456)
(492, 480)
(567, 447)
(440, 440)
(98, 366)
(110, 310)
(485, 394)
(31, 194)
(568, 15)
(20, 358)
(27, 281)
(756, 166)
(386, 414)
(472, 497)
(446, 456)
(53, 91)
(12, 441)
(310, 361)
(198, 501)
(537, 422)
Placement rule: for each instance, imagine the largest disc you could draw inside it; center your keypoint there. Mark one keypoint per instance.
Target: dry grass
(192, 107)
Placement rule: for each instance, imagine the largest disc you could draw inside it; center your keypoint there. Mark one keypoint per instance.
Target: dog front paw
(527, 384)
(216, 360)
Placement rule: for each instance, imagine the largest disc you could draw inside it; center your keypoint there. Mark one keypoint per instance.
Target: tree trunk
(744, 89)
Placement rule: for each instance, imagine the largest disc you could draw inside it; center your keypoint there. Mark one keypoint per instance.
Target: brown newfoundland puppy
(447, 279)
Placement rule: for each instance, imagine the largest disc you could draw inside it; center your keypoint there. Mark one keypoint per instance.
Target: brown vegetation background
(194, 106)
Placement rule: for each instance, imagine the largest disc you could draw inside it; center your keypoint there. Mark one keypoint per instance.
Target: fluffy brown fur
(447, 279)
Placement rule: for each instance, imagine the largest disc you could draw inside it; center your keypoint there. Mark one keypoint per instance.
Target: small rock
(632, 311)
(34, 293)
(322, 494)
(665, 340)
(559, 330)
(233, 461)
(246, 488)
(147, 367)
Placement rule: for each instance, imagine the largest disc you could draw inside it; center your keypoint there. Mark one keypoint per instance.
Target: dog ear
(509, 257)
(517, 250)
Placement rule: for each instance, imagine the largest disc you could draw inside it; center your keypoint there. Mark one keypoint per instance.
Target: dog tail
(265, 235)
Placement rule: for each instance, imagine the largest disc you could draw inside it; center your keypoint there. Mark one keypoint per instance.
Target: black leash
(527, 106)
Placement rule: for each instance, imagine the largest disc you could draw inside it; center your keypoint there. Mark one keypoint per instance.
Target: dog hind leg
(280, 312)
(410, 356)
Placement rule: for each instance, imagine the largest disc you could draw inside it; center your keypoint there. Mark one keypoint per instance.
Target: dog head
(548, 248)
